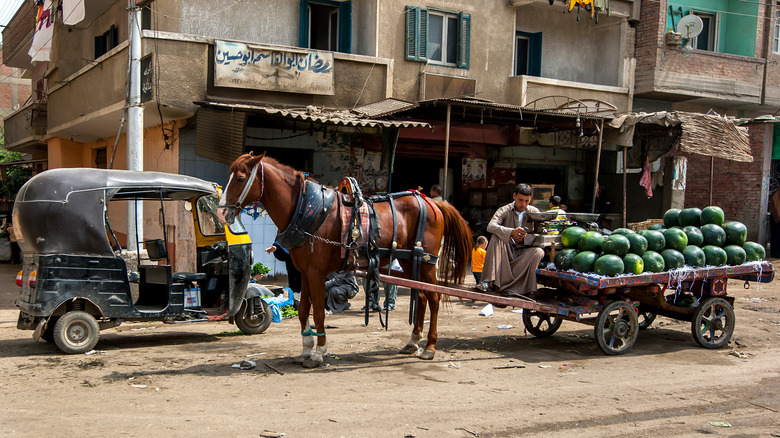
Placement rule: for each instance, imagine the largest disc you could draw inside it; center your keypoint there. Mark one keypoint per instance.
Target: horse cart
(619, 307)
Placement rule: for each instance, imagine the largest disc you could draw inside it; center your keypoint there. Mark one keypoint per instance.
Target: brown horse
(278, 188)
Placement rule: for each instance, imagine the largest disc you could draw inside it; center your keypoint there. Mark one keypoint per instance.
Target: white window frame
(776, 34)
(713, 31)
(446, 16)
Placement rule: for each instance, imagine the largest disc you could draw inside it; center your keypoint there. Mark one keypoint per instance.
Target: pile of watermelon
(689, 237)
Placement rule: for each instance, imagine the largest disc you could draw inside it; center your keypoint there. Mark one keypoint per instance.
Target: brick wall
(649, 32)
(736, 186)
(13, 89)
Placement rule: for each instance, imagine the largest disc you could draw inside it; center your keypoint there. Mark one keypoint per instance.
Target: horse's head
(244, 186)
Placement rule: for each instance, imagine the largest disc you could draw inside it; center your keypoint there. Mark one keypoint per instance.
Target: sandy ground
(178, 380)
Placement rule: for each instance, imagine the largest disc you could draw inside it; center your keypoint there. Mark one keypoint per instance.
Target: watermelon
(638, 243)
(713, 235)
(735, 255)
(715, 255)
(654, 262)
(671, 217)
(689, 217)
(623, 231)
(657, 227)
(655, 240)
(676, 239)
(564, 258)
(673, 259)
(633, 264)
(695, 237)
(608, 265)
(736, 233)
(753, 251)
(712, 215)
(616, 244)
(591, 241)
(583, 262)
(694, 256)
(570, 237)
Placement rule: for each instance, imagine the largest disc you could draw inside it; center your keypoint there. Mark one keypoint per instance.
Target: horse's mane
(288, 173)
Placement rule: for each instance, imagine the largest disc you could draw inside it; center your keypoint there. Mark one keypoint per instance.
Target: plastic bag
(276, 303)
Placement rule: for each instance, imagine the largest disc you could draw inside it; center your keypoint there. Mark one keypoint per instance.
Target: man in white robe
(510, 265)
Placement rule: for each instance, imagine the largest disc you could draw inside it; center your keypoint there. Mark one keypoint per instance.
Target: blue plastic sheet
(276, 303)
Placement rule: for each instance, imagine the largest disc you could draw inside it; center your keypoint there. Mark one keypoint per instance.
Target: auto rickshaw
(77, 279)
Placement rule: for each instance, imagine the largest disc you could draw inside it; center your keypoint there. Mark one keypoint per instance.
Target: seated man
(510, 265)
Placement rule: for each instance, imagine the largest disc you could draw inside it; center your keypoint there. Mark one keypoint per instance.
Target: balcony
(25, 129)
(526, 89)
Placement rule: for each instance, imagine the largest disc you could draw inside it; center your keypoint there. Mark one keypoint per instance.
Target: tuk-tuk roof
(61, 211)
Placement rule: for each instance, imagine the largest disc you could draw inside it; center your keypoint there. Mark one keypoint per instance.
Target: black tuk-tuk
(77, 279)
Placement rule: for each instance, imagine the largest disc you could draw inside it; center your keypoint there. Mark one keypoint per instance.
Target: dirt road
(178, 380)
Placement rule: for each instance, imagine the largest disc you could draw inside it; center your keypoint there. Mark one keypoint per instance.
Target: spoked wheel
(645, 318)
(76, 332)
(713, 323)
(254, 317)
(540, 324)
(616, 328)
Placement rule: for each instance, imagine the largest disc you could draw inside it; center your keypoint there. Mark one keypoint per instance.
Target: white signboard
(240, 65)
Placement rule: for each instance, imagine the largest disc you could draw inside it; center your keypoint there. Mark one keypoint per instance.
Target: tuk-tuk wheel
(76, 332)
(254, 317)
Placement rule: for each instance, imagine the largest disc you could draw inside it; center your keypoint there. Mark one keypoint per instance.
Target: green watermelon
(657, 227)
(753, 251)
(570, 237)
(735, 255)
(564, 258)
(673, 259)
(608, 265)
(591, 241)
(583, 262)
(676, 239)
(654, 262)
(694, 256)
(689, 217)
(655, 240)
(712, 215)
(713, 235)
(638, 243)
(671, 217)
(623, 231)
(633, 264)
(736, 233)
(616, 244)
(695, 237)
(715, 255)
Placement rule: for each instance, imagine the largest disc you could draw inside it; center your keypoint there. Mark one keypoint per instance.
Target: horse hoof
(310, 363)
(427, 355)
(408, 349)
(300, 360)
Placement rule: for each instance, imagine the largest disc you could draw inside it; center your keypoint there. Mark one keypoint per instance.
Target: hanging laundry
(646, 180)
(72, 11)
(40, 50)
(582, 3)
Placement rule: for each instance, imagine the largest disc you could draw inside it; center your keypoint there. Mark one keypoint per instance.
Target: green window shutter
(464, 39)
(303, 40)
(416, 33)
(345, 27)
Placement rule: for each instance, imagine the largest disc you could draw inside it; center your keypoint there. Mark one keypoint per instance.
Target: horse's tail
(456, 250)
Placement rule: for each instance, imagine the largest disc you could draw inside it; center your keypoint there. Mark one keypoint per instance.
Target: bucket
(191, 298)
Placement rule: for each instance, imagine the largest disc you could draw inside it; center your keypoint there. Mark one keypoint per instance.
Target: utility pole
(135, 124)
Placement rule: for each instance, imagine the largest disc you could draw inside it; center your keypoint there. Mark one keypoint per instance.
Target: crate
(645, 224)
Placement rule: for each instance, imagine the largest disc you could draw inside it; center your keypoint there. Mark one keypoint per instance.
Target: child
(478, 257)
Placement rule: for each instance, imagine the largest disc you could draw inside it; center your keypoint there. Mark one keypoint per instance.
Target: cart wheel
(645, 318)
(713, 323)
(616, 328)
(540, 324)
(255, 322)
(76, 332)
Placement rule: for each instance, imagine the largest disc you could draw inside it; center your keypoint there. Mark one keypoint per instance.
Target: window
(437, 36)
(106, 42)
(528, 54)
(326, 25)
(707, 39)
(776, 35)
(101, 158)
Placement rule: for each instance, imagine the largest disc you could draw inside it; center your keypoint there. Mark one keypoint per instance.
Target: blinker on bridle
(248, 185)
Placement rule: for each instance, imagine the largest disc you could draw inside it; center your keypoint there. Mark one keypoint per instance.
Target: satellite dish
(690, 26)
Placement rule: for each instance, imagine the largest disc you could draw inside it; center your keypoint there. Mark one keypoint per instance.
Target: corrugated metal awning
(320, 115)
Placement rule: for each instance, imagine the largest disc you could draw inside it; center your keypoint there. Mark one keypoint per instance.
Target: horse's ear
(254, 160)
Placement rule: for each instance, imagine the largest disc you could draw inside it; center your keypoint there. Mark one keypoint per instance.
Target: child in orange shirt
(478, 257)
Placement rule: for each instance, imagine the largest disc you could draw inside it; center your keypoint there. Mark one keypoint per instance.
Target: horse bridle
(248, 186)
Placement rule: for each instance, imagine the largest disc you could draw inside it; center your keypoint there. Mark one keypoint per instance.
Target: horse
(418, 224)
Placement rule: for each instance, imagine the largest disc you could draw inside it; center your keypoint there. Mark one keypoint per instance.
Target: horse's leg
(317, 296)
(433, 334)
(413, 345)
(304, 307)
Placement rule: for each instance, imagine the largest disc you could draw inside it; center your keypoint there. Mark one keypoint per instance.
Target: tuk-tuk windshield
(208, 220)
